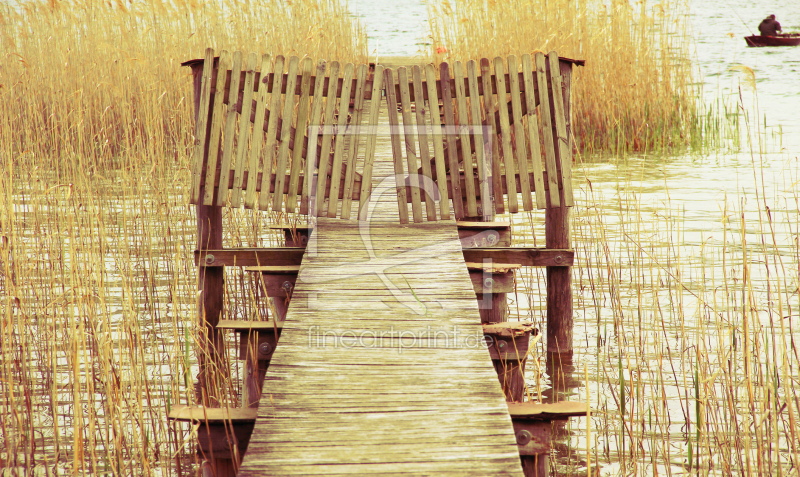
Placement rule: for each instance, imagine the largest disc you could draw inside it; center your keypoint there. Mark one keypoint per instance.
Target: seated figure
(769, 26)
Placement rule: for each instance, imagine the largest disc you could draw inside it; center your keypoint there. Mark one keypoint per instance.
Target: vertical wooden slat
(327, 135)
(547, 130)
(200, 126)
(299, 133)
(286, 133)
(354, 131)
(230, 129)
(533, 131)
(258, 136)
(438, 145)
(563, 151)
(520, 151)
(490, 108)
(341, 130)
(466, 149)
(313, 135)
(244, 129)
(505, 134)
(422, 135)
(411, 153)
(397, 147)
(487, 210)
(216, 128)
(369, 147)
(450, 137)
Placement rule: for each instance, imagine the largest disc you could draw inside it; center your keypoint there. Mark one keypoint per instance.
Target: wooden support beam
(527, 257)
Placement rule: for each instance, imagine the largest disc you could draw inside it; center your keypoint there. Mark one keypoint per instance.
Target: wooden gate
(496, 128)
(262, 133)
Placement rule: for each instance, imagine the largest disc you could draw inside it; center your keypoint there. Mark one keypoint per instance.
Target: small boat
(789, 39)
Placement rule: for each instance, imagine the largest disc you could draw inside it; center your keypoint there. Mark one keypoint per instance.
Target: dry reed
(96, 277)
(636, 91)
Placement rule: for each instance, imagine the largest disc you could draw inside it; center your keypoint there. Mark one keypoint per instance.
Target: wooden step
(223, 432)
(491, 277)
(214, 415)
(295, 235)
(532, 428)
(484, 234)
(259, 337)
(533, 411)
(508, 341)
(278, 280)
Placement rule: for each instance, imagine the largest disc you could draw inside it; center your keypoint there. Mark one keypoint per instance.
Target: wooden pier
(394, 355)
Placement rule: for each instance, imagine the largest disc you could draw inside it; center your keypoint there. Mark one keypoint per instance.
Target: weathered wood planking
(329, 408)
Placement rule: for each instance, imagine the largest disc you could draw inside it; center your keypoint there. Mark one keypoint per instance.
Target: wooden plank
(243, 141)
(563, 149)
(466, 152)
(528, 257)
(180, 412)
(369, 148)
(547, 131)
(341, 130)
(217, 117)
(533, 132)
(275, 269)
(301, 128)
(397, 149)
(450, 138)
(465, 224)
(249, 257)
(411, 153)
(484, 185)
(505, 135)
(547, 411)
(520, 149)
(426, 181)
(490, 108)
(230, 130)
(269, 149)
(354, 132)
(306, 202)
(201, 124)
(327, 136)
(438, 145)
(283, 150)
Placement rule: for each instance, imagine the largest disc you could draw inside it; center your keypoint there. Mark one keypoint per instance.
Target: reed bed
(685, 332)
(96, 277)
(637, 91)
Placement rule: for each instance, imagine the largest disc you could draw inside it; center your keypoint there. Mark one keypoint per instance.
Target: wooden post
(211, 288)
(557, 235)
(210, 281)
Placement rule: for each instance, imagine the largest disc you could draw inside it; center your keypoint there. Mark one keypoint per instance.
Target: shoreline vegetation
(690, 342)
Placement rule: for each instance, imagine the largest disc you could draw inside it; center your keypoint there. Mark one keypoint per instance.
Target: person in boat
(769, 26)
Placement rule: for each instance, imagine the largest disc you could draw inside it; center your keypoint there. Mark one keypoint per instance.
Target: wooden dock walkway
(382, 365)
(380, 368)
